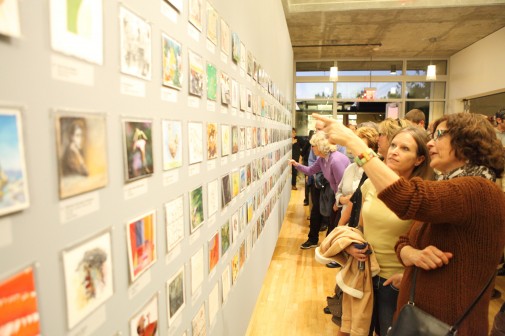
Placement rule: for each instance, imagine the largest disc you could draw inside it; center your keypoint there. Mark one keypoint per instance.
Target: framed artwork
(243, 217)
(225, 89)
(196, 73)
(248, 138)
(250, 209)
(225, 190)
(196, 208)
(81, 143)
(249, 99)
(235, 94)
(243, 180)
(235, 267)
(172, 62)
(213, 303)
(196, 13)
(198, 324)
(195, 137)
(213, 245)
(212, 22)
(255, 69)
(138, 149)
(135, 44)
(225, 37)
(9, 18)
(225, 237)
(255, 104)
(235, 227)
(225, 282)
(235, 47)
(172, 144)
(235, 182)
(176, 299)
(88, 277)
(212, 141)
(241, 146)
(141, 241)
(243, 57)
(225, 140)
(242, 255)
(212, 197)
(19, 308)
(250, 63)
(177, 4)
(234, 139)
(249, 174)
(211, 82)
(13, 178)
(174, 221)
(197, 273)
(145, 321)
(243, 98)
(77, 28)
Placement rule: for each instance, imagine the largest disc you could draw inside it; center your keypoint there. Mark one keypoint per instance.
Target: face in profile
(77, 137)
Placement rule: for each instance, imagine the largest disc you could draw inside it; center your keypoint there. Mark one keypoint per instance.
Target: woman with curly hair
(458, 234)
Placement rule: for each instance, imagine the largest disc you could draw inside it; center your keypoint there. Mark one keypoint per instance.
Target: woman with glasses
(458, 234)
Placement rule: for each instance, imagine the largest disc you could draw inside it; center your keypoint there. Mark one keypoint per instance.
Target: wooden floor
(294, 291)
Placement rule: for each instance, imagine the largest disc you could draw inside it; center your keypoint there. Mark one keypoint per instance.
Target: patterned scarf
(469, 170)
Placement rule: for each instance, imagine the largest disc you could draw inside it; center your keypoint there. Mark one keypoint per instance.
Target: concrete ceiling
(402, 28)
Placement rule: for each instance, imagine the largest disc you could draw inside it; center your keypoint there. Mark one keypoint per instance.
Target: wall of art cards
(143, 163)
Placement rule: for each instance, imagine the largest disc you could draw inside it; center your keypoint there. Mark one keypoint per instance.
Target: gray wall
(37, 235)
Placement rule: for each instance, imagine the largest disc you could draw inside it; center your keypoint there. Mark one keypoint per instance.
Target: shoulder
(339, 157)
(366, 186)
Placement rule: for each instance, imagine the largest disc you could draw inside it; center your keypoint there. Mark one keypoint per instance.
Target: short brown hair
(371, 135)
(474, 139)
(390, 126)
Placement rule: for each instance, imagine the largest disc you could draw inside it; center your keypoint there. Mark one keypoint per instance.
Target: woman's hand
(335, 207)
(344, 199)
(356, 253)
(293, 163)
(394, 280)
(337, 133)
(428, 258)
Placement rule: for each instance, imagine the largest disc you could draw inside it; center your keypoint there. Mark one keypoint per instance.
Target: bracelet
(365, 157)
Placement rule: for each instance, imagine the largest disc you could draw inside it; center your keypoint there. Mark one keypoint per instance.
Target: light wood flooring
(295, 287)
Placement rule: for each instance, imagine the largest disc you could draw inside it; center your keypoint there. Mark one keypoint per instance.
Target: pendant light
(370, 91)
(334, 72)
(431, 72)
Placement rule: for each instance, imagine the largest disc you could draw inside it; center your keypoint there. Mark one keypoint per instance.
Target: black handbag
(413, 321)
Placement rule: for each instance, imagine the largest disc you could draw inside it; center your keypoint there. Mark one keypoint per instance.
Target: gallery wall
(91, 222)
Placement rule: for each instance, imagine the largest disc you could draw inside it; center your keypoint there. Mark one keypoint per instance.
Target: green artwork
(196, 208)
(73, 7)
(211, 82)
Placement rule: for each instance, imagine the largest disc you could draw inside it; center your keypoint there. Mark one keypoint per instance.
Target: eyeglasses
(438, 134)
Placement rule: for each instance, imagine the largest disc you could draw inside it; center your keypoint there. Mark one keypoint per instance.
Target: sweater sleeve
(338, 166)
(452, 201)
(310, 170)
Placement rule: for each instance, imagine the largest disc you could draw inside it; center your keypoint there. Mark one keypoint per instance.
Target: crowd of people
(422, 205)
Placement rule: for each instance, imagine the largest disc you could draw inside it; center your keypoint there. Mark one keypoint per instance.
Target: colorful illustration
(81, 143)
(242, 255)
(77, 28)
(235, 267)
(145, 322)
(235, 182)
(9, 18)
(212, 141)
(243, 181)
(225, 89)
(138, 149)
(212, 197)
(235, 227)
(13, 178)
(88, 277)
(225, 237)
(172, 144)
(196, 74)
(213, 251)
(135, 44)
(212, 22)
(141, 241)
(195, 137)
(196, 13)
(235, 47)
(175, 295)
(19, 313)
(241, 139)
(225, 37)
(211, 82)
(196, 208)
(172, 62)
(174, 219)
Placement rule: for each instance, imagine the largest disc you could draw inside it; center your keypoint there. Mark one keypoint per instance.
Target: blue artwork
(13, 182)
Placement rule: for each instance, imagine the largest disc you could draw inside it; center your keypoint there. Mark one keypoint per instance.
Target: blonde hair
(389, 127)
(371, 135)
(321, 142)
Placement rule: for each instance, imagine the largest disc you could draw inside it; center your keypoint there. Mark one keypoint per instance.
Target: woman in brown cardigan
(458, 235)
